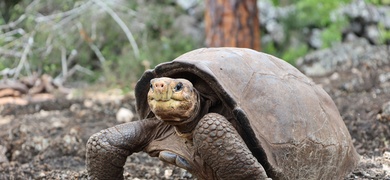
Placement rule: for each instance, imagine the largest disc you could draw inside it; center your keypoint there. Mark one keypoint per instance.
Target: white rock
(168, 173)
(88, 103)
(3, 157)
(124, 115)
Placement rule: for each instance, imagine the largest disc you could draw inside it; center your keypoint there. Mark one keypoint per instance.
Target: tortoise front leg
(223, 149)
(108, 149)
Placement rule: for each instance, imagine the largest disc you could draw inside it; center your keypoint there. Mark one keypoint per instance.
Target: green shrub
(379, 2)
(85, 34)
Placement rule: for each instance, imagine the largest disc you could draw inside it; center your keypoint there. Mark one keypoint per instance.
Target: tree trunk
(232, 23)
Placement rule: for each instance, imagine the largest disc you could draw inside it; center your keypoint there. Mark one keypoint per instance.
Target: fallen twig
(30, 89)
(12, 84)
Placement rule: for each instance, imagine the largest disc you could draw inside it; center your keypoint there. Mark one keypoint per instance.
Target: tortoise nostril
(159, 85)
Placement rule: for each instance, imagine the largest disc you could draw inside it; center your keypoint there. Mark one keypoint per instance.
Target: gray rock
(344, 56)
(386, 111)
(267, 12)
(385, 16)
(384, 77)
(276, 31)
(372, 33)
(365, 18)
(315, 39)
(3, 157)
(186, 4)
(349, 37)
(359, 9)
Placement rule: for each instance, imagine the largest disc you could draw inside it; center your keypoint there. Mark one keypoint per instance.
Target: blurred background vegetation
(112, 42)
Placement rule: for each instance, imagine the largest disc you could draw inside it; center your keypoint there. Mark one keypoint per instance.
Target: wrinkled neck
(186, 128)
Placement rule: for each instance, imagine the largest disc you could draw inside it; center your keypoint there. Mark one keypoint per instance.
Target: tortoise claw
(167, 157)
(181, 162)
(174, 159)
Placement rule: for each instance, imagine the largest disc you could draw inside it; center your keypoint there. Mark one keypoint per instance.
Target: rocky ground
(46, 140)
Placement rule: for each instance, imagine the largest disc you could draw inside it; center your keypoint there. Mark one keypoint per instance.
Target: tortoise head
(172, 100)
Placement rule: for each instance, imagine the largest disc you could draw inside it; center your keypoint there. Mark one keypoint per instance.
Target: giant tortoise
(229, 113)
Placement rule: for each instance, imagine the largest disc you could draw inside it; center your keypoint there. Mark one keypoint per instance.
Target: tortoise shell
(290, 124)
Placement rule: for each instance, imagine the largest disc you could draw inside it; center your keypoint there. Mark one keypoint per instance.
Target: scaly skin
(108, 149)
(222, 148)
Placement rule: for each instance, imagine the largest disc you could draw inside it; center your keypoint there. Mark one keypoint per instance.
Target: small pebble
(124, 115)
(88, 103)
(168, 173)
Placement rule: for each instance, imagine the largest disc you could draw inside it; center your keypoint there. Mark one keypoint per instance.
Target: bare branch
(13, 24)
(18, 42)
(7, 72)
(27, 68)
(61, 78)
(73, 11)
(49, 46)
(71, 56)
(120, 22)
(68, 18)
(32, 4)
(10, 53)
(97, 52)
(23, 59)
(13, 32)
(94, 48)
(64, 64)
(83, 70)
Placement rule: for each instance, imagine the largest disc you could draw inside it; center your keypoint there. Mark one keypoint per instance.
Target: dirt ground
(47, 140)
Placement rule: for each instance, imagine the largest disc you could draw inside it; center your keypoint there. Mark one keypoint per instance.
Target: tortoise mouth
(163, 100)
(172, 110)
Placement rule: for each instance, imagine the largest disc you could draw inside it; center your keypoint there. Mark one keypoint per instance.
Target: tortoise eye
(178, 87)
